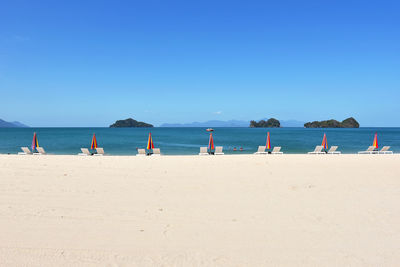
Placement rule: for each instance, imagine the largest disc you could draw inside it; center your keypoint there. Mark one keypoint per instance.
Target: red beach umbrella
(324, 142)
(211, 143)
(150, 144)
(268, 145)
(93, 145)
(35, 142)
(375, 144)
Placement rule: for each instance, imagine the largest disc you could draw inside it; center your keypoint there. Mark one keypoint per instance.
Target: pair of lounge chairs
(275, 150)
(86, 152)
(204, 151)
(142, 152)
(371, 150)
(26, 151)
(318, 150)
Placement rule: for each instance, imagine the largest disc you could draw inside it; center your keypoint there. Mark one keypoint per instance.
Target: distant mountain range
(212, 123)
(230, 123)
(14, 124)
(292, 123)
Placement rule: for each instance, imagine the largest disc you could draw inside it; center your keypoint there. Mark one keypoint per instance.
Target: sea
(187, 141)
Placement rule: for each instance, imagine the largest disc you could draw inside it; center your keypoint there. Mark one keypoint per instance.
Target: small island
(130, 123)
(271, 123)
(347, 123)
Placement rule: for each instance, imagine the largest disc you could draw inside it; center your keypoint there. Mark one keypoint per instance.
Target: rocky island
(270, 123)
(130, 123)
(347, 123)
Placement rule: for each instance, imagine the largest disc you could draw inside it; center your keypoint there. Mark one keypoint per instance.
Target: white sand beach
(238, 210)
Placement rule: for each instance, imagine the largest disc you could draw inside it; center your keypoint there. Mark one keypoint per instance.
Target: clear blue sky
(88, 63)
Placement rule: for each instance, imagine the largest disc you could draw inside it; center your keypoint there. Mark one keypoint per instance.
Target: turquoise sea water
(186, 141)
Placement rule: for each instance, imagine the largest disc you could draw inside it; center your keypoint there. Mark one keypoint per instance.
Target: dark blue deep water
(186, 141)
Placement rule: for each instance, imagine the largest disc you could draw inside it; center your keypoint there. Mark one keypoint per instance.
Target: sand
(239, 210)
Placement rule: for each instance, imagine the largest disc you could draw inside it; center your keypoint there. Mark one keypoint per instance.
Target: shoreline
(201, 156)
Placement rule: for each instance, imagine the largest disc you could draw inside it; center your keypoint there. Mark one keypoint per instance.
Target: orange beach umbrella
(150, 144)
(35, 142)
(375, 143)
(211, 143)
(93, 145)
(324, 142)
(268, 145)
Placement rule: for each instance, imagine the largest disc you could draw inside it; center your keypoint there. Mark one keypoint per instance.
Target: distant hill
(292, 123)
(230, 123)
(212, 123)
(14, 124)
(18, 124)
(129, 123)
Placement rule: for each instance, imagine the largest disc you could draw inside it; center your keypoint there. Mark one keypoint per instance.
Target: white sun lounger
(276, 150)
(333, 149)
(317, 150)
(218, 150)
(100, 152)
(370, 150)
(25, 150)
(40, 151)
(85, 152)
(261, 150)
(156, 152)
(203, 151)
(385, 150)
(141, 152)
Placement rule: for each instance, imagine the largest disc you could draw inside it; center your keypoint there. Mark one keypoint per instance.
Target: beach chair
(218, 150)
(370, 150)
(100, 151)
(203, 151)
(333, 149)
(385, 150)
(141, 152)
(40, 151)
(276, 150)
(317, 150)
(85, 152)
(25, 150)
(261, 150)
(156, 152)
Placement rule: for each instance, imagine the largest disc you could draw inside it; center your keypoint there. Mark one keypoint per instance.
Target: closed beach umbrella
(35, 142)
(375, 144)
(268, 145)
(150, 144)
(324, 142)
(94, 142)
(211, 143)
